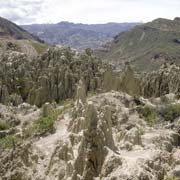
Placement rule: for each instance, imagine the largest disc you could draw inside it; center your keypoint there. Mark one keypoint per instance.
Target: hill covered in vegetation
(146, 46)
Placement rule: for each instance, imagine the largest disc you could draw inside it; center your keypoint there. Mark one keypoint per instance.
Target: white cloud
(20, 11)
(87, 11)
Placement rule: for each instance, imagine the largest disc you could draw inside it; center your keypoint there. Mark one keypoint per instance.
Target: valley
(78, 36)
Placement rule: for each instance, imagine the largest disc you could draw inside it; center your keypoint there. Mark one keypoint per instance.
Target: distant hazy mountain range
(78, 36)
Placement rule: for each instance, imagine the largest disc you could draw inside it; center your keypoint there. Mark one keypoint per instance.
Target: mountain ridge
(145, 46)
(78, 35)
(15, 38)
(8, 28)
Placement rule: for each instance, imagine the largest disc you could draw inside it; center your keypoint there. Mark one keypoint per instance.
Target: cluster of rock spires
(101, 137)
(108, 132)
(51, 77)
(162, 82)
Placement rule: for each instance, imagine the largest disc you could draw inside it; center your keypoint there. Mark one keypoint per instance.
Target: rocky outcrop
(51, 77)
(129, 82)
(161, 82)
(107, 136)
(81, 92)
(101, 137)
(54, 76)
(4, 95)
(124, 80)
(14, 163)
(47, 109)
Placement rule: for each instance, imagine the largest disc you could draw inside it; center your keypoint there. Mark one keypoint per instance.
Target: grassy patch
(171, 112)
(44, 125)
(4, 125)
(40, 48)
(171, 178)
(149, 114)
(9, 142)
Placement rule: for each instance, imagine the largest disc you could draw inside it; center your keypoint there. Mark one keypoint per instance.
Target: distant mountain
(78, 36)
(146, 46)
(13, 37)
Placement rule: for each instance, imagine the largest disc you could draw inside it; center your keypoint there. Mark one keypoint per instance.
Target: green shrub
(8, 142)
(44, 125)
(149, 114)
(171, 112)
(171, 178)
(4, 125)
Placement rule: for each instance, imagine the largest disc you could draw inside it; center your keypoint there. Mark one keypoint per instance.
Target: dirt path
(46, 145)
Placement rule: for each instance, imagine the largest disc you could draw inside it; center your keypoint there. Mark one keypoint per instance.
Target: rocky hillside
(107, 136)
(14, 38)
(161, 82)
(50, 77)
(146, 46)
(78, 36)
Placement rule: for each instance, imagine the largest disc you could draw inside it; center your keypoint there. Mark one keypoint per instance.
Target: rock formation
(105, 137)
(161, 82)
(51, 77)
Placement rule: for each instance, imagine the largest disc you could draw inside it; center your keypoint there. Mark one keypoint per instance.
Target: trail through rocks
(46, 146)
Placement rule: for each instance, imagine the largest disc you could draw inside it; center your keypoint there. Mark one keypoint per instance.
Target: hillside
(78, 36)
(13, 37)
(9, 29)
(146, 46)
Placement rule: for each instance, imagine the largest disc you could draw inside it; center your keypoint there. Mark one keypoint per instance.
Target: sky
(87, 11)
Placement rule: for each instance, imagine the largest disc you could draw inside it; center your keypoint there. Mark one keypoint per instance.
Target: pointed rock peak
(81, 92)
(177, 19)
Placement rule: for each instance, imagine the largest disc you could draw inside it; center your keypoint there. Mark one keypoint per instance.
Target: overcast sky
(87, 11)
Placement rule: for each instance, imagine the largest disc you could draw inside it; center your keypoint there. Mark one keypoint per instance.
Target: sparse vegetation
(171, 178)
(149, 114)
(40, 48)
(171, 112)
(45, 125)
(4, 125)
(9, 142)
